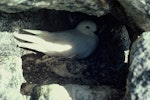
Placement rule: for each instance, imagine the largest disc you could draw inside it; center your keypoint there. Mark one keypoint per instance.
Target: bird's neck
(85, 32)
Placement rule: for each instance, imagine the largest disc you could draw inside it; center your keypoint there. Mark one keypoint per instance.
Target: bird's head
(87, 27)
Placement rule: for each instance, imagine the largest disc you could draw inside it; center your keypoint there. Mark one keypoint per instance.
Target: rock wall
(96, 7)
(138, 85)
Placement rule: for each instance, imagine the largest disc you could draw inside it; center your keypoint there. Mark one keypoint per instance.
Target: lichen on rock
(138, 85)
(96, 7)
(11, 76)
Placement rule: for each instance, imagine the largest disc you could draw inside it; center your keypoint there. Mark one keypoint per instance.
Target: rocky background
(108, 74)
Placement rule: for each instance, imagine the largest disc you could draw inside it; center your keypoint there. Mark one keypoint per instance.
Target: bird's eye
(87, 27)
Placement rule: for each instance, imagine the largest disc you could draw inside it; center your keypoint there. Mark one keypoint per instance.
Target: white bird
(79, 42)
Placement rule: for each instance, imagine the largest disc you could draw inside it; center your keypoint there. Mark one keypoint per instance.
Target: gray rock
(138, 85)
(121, 34)
(11, 76)
(138, 11)
(70, 92)
(96, 7)
(148, 7)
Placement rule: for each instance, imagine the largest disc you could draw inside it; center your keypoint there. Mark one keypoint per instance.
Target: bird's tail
(34, 32)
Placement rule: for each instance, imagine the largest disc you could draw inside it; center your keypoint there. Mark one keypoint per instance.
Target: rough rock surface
(70, 92)
(148, 7)
(11, 76)
(91, 7)
(138, 85)
(138, 11)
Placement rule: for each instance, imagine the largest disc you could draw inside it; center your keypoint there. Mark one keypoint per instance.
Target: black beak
(95, 32)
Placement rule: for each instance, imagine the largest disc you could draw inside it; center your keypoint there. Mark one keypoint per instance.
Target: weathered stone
(148, 6)
(70, 92)
(138, 11)
(91, 7)
(11, 76)
(138, 85)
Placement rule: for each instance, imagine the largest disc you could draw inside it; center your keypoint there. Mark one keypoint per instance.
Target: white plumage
(79, 42)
